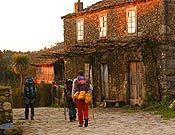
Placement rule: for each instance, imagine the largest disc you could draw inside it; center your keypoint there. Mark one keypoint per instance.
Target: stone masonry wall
(168, 81)
(5, 107)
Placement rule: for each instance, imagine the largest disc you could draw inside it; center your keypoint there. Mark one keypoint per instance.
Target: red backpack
(81, 80)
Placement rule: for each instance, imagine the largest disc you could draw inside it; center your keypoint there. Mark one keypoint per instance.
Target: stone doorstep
(106, 102)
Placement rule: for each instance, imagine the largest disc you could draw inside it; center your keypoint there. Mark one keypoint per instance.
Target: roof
(104, 4)
(45, 61)
(44, 57)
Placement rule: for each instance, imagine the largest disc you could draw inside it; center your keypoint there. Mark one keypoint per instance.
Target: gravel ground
(106, 121)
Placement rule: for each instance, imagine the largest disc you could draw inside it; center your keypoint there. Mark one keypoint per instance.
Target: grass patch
(162, 109)
(56, 106)
(165, 108)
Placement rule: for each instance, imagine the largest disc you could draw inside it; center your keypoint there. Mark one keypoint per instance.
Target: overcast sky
(31, 25)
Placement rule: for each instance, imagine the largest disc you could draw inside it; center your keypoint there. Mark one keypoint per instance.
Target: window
(80, 29)
(103, 25)
(88, 71)
(131, 20)
(86, 68)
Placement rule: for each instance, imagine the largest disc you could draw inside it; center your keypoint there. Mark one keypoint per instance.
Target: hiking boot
(74, 118)
(32, 117)
(80, 125)
(86, 122)
(26, 118)
(71, 120)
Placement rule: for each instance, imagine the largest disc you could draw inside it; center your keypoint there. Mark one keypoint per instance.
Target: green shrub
(149, 100)
(163, 108)
(56, 106)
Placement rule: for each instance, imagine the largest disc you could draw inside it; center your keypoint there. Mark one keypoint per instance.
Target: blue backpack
(29, 88)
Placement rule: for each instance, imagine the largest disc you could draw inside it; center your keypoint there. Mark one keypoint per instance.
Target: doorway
(104, 81)
(136, 87)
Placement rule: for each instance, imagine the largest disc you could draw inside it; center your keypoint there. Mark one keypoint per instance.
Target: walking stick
(65, 104)
(92, 105)
(92, 109)
(91, 102)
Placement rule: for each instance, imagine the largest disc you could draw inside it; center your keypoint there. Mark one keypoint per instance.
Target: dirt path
(50, 121)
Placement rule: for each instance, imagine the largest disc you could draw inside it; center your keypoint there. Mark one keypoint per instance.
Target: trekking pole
(65, 104)
(91, 88)
(92, 110)
(92, 105)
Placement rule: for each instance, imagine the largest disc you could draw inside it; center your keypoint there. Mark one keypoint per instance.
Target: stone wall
(167, 70)
(5, 107)
(57, 93)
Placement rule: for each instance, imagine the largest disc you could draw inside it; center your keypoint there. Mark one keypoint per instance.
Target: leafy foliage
(162, 108)
(7, 76)
(149, 100)
(20, 65)
(21, 62)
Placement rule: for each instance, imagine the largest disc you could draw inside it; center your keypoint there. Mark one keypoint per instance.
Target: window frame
(132, 23)
(102, 26)
(88, 71)
(80, 29)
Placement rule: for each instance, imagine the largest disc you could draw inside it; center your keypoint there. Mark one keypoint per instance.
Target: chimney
(78, 6)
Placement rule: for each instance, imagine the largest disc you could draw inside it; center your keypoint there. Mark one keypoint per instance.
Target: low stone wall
(6, 116)
(57, 94)
(43, 97)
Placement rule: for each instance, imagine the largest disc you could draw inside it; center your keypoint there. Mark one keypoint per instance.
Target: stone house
(50, 69)
(126, 48)
(50, 75)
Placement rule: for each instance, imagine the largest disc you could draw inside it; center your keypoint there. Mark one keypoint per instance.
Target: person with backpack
(82, 97)
(70, 102)
(29, 92)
